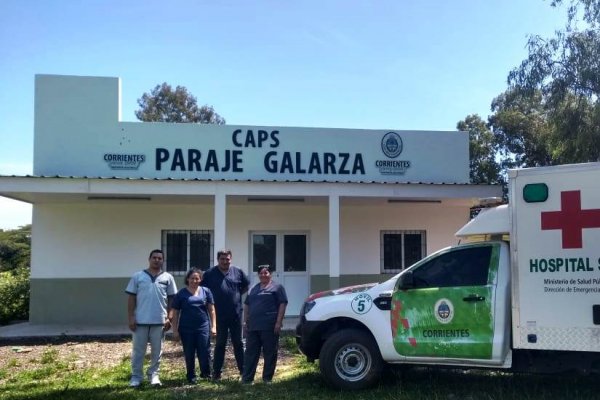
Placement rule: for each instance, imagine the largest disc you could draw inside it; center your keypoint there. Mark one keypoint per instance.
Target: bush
(14, 292)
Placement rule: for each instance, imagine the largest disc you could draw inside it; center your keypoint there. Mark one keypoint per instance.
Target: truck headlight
(307, 307)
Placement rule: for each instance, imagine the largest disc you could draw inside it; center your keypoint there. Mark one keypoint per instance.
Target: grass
(49, 378)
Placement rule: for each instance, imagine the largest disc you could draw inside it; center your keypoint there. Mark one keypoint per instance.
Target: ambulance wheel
(350, 360)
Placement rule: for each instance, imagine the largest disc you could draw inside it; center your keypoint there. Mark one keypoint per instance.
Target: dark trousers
(224, 328)
(196, 344)
(269, 342)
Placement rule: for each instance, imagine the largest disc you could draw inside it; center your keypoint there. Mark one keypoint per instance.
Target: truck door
(443, 307)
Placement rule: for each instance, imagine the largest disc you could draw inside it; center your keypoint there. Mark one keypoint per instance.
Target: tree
(15, 253)
(560, 81)
(482, 151)
(521, 129)
(15, 248)
(163, 104)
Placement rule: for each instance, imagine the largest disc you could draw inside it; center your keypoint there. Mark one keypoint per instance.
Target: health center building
(323, 207)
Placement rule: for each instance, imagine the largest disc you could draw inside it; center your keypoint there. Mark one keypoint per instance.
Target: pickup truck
(519, 292)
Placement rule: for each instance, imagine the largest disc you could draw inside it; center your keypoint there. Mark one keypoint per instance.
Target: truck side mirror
(406, 281)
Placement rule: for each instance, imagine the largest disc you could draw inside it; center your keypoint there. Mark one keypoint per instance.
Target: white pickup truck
(520, 292)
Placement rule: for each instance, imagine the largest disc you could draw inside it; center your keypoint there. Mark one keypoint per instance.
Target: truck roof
(490, 221)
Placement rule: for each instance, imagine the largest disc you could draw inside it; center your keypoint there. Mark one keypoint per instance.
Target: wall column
(220, 223)
(334, 241)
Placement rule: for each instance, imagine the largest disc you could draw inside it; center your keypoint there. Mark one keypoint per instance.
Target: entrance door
(287, 254)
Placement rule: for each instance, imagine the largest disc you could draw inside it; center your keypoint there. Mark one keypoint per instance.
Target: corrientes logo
(443, 311)
(391, 144)
(124, 161)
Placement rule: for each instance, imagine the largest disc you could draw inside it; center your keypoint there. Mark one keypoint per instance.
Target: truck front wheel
(350, 359)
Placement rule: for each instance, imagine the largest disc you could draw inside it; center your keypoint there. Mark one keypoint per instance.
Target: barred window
(185, 249)
(401, 249)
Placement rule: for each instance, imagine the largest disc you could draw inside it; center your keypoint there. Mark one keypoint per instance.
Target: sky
(379, 64)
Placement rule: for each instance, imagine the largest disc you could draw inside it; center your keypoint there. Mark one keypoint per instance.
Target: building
(325, 207)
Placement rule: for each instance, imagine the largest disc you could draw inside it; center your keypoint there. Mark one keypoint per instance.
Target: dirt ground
(81, 353)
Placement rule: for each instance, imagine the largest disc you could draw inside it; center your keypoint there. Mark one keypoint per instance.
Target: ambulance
(519, 292)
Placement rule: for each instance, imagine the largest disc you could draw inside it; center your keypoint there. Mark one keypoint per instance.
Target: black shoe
(216, 377)
(193, 381)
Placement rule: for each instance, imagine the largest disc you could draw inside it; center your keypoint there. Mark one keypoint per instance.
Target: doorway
(287, 255)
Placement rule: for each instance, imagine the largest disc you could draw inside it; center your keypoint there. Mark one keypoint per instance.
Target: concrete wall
(84, 253)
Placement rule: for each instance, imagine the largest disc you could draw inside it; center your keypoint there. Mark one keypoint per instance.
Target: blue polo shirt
(227, 291)
(193, 310)
(151, 294)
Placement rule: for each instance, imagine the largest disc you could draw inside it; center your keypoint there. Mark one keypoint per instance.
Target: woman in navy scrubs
(193, 318)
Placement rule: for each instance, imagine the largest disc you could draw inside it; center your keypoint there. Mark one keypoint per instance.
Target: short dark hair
(261, 267)
(155, 251)
(191, 272)
(224, 252)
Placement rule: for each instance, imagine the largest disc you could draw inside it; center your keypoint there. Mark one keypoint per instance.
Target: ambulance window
(463, 267)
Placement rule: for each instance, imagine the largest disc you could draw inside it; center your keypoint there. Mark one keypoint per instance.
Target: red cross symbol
(571, 220)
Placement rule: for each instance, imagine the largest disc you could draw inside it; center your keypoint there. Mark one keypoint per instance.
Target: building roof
(43, 189)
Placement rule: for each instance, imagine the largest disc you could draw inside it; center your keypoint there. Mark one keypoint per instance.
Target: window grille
(400, 249)
(184, 249)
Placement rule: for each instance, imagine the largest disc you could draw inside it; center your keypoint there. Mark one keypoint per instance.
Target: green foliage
(15, 248)
(591, 11)
(555, 92)
(49, 356)
(550, 113)
(288, 342)
(410, 383)
(482, 151)
(163, 104)
(521, 129)
(14, 292)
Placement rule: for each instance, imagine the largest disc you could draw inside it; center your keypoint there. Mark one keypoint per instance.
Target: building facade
(324, 207)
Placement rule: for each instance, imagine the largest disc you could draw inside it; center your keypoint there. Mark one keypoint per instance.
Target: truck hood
(344, 290)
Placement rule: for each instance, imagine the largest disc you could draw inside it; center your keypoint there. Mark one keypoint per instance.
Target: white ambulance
(520, 292)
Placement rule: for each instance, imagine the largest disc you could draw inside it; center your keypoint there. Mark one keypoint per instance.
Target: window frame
(457, 267)
(405, 263)
(189, 233)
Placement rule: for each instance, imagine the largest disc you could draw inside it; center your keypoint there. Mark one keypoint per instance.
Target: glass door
(287, 254)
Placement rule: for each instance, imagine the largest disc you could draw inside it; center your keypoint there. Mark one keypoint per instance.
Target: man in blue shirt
(227, 284)
(149, 298)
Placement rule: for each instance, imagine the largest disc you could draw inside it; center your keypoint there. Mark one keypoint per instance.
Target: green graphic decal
(453, 321)
(468, 335)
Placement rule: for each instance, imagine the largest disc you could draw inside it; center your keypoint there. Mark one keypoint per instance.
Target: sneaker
(216, 377)
(193, 381)
(155, 381)
(134, 383)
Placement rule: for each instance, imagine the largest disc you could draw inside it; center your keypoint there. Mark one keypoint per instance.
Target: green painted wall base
(102, 301)
(90, 301)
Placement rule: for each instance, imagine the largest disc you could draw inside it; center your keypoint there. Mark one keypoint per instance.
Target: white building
(324, 207)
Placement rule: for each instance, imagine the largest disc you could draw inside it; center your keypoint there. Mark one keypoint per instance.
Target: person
(227, 283)
(264, 309)
(193, 318)
(149, 298)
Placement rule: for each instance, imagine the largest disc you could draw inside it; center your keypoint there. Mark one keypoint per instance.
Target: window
(401, 249)
(284, 252)
(186, 249)
(464, 267)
